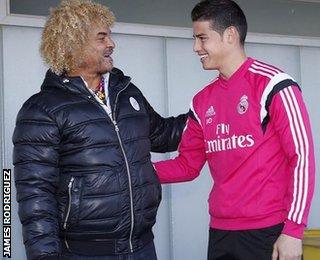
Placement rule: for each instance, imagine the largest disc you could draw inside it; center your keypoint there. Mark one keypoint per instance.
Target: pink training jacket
(253, 130)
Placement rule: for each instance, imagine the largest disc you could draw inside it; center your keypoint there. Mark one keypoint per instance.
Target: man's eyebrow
(103, 34)
(199, 35)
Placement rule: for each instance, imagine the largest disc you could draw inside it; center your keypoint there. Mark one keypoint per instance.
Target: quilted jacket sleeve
(35, 157)
(165, 133)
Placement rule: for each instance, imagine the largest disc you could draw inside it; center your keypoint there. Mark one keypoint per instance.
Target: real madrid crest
(243, 105)
(134, 103)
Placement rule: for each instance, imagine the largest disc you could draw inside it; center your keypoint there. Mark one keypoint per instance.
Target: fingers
(276, 255)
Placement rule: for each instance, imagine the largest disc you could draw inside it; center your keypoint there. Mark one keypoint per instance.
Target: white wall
(169, 74)
(190, 218)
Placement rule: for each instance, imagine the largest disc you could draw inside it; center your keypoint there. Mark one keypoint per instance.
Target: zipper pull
(71, 182)
(115, 125)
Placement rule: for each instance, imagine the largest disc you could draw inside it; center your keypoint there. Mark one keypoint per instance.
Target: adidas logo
(210, 112)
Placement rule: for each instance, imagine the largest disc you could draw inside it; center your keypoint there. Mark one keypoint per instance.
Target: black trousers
(256, 244)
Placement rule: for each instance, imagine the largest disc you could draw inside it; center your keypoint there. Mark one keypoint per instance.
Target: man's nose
(110, 43)
(196, 46)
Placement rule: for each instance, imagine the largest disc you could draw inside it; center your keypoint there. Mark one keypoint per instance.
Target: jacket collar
(117, 82)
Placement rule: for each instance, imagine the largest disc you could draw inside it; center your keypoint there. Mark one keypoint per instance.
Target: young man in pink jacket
(252, 127)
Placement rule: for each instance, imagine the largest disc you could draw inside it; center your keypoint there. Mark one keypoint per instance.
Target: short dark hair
(222, 14)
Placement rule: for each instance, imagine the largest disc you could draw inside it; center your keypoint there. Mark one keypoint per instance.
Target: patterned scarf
(100, 92)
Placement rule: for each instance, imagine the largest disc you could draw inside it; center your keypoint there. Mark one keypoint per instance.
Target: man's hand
(287, 248)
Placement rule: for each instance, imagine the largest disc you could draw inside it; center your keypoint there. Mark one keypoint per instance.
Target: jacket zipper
(125, 159)
(127, 166)
(69, 208)
(130, 184)
(69, 204)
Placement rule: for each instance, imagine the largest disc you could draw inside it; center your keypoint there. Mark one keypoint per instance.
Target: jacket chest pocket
(72, 210)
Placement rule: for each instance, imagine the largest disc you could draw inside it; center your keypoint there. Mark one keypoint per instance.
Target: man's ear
(231, 35)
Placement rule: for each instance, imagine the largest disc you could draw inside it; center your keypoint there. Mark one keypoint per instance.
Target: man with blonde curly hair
(85, 184)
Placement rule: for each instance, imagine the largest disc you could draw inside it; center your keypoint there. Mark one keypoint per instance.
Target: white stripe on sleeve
(301, 144)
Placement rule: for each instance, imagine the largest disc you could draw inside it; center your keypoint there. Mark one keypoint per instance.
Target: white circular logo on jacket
(134, 103)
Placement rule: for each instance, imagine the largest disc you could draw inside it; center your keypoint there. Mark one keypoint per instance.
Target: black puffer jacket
(83, 181)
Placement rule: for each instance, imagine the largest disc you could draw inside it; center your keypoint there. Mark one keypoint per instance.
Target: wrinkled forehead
(99, 28)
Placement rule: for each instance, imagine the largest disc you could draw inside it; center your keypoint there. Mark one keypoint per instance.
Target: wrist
(293, 229)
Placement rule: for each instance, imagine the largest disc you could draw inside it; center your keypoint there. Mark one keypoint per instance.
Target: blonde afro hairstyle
(66, 32)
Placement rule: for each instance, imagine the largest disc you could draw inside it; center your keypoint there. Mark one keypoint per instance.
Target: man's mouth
(107, 56)
(203, 57)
